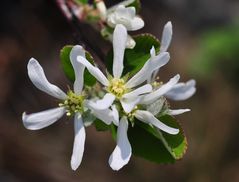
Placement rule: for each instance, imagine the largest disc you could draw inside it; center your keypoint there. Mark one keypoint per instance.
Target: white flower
(117, 87)
(128, 18)
(73, 103)
(124, 91)
(125, 16)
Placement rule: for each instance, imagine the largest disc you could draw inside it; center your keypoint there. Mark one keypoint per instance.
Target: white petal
(38, 78)
(78, 68)
(152, 97)
(121, 4)
(129, 104)
(152, 52)
(121, 15)
(156, 106)
(104, 103)
(128, 12)
(79, 142)
(115, 115)
(177, 111)
(149, 118)
(42, 119)
(119, 44)
(127, 17)
(136, 24)
(122, 151)
(105, 115)
(166, 37)
(182, 91)
(139, 91)
(94, 71)
(164, 44)
(155, 62)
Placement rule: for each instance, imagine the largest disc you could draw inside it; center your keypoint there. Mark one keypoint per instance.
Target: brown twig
(84, 33)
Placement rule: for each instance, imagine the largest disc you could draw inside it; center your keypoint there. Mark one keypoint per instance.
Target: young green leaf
(82, 1)
(68, 69)
(157, 146)
(101, 126)
(136, 4)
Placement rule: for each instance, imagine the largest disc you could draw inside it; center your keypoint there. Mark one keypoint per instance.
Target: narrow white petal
(182, 91)
(166, 37)
(79, 142)
(119, 44)
(164, 44)
(149, 118)
(105, 115)
(78, 68)
(104, 103)
(177, 111)
(152, 97)
(155, 62)
(38, 78)
(93, 70)
(115, 115)
(151, 77)
(122, 151)
(42, 119)
(139, 91)
(129, 104)
(135, 24)
(156, 106)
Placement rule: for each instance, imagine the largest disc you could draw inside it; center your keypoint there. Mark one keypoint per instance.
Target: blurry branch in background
(85, 33)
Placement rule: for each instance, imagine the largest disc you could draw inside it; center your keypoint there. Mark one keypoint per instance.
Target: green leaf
(82, 1)
(135, 58)
(157, 146)
(113, 131)
(107, 32)
(136, 4)
(68, 69)
(101, 126)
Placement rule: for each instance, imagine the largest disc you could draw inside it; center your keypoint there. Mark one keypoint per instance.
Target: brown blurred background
(205, 46)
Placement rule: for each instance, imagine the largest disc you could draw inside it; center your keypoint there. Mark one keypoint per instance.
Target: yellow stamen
(117, 87)
(73, 103)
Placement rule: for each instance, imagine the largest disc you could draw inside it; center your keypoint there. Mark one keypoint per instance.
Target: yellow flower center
(73, 103)
(117, 87)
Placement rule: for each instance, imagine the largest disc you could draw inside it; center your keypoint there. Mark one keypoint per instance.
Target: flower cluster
(126, 100)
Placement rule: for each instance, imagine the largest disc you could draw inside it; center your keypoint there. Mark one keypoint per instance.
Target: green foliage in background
(218, 51)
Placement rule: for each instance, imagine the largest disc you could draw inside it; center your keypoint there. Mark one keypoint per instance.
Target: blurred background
(205, 47)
